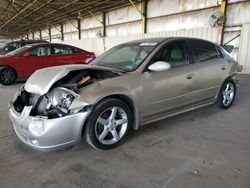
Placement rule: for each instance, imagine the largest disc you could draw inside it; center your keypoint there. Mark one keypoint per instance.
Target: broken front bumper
(47, 134)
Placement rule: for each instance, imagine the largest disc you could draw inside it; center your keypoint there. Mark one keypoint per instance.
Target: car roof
(148, 40)
(50, 44)
(30, 41)
(162, 39)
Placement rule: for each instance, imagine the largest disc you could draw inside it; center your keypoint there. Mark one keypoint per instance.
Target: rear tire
(108, 125)
(7, 76)
(227, 94)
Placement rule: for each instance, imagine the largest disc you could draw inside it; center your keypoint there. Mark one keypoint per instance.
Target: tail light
(90, 57)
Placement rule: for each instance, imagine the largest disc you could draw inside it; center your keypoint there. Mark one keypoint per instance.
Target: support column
(79, 29)
(50, 35)
(143, 20)
(62, 33)
(40, 34)
(104, 24)
(223, 9)
(145, 13)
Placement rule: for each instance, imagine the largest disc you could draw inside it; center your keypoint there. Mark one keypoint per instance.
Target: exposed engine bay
(62, 98)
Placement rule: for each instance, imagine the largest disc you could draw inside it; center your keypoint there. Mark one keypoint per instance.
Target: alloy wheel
(228, 94)
(7, 76)
(111, 125)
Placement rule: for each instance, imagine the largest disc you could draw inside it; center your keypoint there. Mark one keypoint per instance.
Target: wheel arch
(230, 77)
(2, 66)
(131, 105)
(127, 100)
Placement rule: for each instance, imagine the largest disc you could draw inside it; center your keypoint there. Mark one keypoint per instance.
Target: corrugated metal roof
(22, 16)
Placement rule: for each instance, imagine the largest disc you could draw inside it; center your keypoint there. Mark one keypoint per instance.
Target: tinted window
(40, 51)
(24, 43)
(204, 51)
(62, 50)
(12, 46)
(174, 53)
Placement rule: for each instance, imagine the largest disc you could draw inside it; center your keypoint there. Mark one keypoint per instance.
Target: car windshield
(19, 50)
(125, 57)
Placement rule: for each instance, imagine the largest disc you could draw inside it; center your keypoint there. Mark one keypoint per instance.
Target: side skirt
(174, 113)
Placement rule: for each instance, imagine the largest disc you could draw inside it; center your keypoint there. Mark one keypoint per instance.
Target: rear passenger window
(204, 51)
(62, 50)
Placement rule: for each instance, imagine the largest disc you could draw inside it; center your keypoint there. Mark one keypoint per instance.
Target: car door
(62, 55)
(167, 91)
(36, 58)
(210, 69)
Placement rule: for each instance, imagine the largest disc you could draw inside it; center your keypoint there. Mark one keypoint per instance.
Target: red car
(21, 63)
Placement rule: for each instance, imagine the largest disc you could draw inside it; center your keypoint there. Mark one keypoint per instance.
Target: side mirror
(159, 66)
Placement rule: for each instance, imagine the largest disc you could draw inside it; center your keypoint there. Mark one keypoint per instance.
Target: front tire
(7, 76)
(108, 124)
(227, 94)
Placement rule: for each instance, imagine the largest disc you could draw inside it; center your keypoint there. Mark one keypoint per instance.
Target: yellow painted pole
(98, 20)
(223, 8)
(142, 16)
(94, 16)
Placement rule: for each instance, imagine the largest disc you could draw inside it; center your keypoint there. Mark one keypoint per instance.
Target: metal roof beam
(22, 9)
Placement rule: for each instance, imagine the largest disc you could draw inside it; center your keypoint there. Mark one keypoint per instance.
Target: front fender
(98, 91)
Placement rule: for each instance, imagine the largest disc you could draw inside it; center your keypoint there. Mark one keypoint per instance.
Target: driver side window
(174, 53)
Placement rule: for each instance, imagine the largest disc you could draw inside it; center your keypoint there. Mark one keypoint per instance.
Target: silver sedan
(130, 85)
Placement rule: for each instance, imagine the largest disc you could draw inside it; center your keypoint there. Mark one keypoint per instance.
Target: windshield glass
(126, 57)
(19, 50)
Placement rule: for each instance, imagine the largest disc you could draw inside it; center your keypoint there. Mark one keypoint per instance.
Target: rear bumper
(47, 134)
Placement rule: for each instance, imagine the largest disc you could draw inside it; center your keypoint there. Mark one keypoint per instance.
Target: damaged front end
(55, 119)
(58, 103)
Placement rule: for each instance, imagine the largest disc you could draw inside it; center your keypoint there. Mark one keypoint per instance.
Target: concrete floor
(208, 147)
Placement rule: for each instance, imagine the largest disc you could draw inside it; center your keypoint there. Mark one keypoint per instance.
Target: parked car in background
(21, 63)
(132, 84)
(11, 46)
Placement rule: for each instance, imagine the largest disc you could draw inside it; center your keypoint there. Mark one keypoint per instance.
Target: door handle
(190, 76)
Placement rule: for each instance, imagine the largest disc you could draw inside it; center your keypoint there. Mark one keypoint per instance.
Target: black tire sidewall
(220, 96)
(2, 69)
(90, 135)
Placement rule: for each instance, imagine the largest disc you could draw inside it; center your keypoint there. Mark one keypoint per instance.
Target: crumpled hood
(41, 81)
